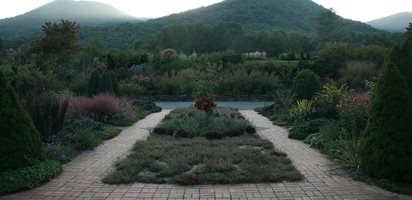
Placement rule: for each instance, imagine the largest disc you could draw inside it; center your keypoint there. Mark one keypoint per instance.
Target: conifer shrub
(20, 143)
(385, 145)
(305, 85)
(400, 55)
(93, 83)
(105, 83)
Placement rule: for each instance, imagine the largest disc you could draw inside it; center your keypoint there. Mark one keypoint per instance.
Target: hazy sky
(360, 10)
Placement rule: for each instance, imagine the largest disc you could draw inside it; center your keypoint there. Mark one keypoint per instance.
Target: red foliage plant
(205, 103)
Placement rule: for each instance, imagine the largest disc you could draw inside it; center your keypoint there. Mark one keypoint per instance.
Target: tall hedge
(385, 147)
(305, 85)
(20, 143)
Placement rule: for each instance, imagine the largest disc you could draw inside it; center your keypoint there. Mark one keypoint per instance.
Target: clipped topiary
(20, 144)
(305, 85)
(115, 85)
(105, 84)
(385, 145)
(93, 83)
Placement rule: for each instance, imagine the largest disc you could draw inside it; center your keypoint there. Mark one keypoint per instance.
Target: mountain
(393, 23)
(256, 15)
(297, 15)
(87, 13)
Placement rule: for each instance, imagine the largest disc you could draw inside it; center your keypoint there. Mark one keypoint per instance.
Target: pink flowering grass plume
(99, 105)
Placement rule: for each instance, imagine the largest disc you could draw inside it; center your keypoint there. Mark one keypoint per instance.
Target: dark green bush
(28, 177)
(147, 104)
(103, 83)
(385, 145)
(400, 55)
(303, 130)
(305, 85)
(20, 143)
(232, 57)
(93, 83)
(85, 139)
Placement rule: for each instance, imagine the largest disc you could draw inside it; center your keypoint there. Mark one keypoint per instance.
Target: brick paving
(81, 177)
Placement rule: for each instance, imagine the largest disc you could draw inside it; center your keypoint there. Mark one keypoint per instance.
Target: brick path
(81, 177)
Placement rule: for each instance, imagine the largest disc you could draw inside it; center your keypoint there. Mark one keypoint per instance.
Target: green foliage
(353, 115)
(232, 57)
(332, 58)
(221, 122)
(385, 145)
(166, 159)
(326, 100)
(347, 150)
(58, 45)
(279, 111)
(302, 130)
(93, 83)
(302, 111)
(28, 177)
(326, 136)
(103, 83)
(204, 88)
(148, 105)
(329, 26)
(371, 53)
(20, 141)
(78, 135)
(305, 85)
(356, 73)
(400, 56)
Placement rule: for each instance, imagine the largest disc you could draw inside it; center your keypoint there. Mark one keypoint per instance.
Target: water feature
(241, 105)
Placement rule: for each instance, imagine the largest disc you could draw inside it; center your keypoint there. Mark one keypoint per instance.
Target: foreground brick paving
(81, 177)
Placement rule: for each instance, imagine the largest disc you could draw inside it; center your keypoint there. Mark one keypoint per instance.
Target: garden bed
(191, 158)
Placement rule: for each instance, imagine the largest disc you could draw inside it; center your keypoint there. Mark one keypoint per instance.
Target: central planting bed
(192, 146)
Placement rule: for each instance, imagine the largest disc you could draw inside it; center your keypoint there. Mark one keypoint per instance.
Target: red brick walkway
(81, 177)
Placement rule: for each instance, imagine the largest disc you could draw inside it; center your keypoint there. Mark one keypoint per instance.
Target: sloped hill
(84, 12)
(393, 23)
(297, 15)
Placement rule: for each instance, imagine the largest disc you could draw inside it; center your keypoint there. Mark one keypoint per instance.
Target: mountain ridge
(393, 23)
(88, 13)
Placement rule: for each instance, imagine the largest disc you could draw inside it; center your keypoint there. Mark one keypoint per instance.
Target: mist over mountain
(297, 15)
(393, 23)
(87, 13)
(257, 15)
